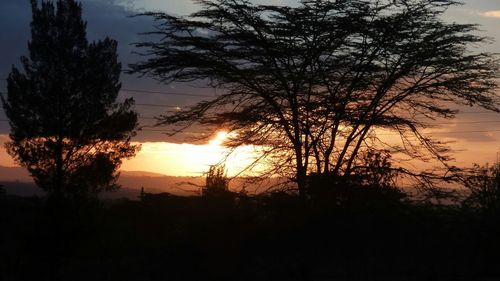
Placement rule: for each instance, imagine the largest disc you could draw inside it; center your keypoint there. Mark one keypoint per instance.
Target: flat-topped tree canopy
(314, 83)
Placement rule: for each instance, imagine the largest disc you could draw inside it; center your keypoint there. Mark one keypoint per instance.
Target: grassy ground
(267, 238)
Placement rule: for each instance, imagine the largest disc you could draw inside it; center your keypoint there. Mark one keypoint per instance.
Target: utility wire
(145, 118)
(156, 105)
(451, 123)
(206, 96)
(448, 132)
(164, 93)
(138, 91)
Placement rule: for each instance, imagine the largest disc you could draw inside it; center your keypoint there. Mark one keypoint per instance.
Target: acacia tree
(66, 127)
(315, 83)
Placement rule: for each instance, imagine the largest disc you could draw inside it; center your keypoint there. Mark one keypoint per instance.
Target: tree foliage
(375, 170)
(318, 83)
(217, 183)
(483, 183)
(66, 127)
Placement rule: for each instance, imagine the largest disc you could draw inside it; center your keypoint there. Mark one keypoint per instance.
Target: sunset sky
(475, 133)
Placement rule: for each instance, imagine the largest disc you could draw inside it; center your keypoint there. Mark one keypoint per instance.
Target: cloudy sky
(112, 18)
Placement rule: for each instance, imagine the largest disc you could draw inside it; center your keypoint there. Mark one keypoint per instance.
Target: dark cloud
(15, 17)
(105, 18)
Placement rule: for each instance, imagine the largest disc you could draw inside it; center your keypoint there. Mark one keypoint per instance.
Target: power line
(138, 91)
(430, 133)
(171, 131)
(449, 123)
(140, 117)
(157, 105)
(469, 122)
(393, 134)
(479, 112)
(164, 93)
(207, 96)
(196, 95)
(448, 132)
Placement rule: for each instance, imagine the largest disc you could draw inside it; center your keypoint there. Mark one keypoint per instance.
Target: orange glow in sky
(184, 159)
(189, 159)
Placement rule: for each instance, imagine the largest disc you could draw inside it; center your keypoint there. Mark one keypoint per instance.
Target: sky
(161, 153)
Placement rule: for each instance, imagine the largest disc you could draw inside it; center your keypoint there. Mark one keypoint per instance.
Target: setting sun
(219, 138)
(190, 159)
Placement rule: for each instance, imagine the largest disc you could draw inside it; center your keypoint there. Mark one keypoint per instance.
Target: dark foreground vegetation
(272, 237)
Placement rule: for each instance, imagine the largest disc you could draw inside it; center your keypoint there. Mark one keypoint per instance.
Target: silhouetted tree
(313, 84)
(374, 170)
(373, 180)
(66, 127)
(483, 182)
(217, 183)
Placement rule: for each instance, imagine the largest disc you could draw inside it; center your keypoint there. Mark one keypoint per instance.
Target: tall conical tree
(66, 127)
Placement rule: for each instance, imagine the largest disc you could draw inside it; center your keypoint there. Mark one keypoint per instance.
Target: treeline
(354, 233)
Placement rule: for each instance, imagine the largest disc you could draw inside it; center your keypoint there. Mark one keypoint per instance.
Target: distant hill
(14, 174)
(24, 189)
(157, 183)
(17, 181)
(141, 174)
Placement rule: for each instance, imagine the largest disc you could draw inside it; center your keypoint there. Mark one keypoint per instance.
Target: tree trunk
(300, 174)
